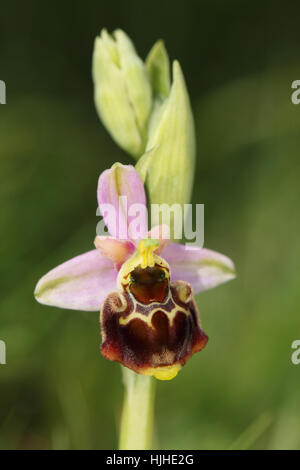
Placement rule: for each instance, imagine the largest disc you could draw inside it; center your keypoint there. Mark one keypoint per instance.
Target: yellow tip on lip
(164, 373)
(146, 248)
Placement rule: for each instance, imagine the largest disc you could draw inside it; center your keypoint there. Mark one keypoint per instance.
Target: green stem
(137, 416)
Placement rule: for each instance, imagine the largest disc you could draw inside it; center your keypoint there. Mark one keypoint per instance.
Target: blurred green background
(239, 60)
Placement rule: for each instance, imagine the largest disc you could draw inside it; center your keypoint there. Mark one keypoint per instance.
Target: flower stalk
(137, 416)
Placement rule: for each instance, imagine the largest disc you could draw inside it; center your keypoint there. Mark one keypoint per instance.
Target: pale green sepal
(158, 66)
(111, 46)
(170, 158)
(143, 164)
(136, 79)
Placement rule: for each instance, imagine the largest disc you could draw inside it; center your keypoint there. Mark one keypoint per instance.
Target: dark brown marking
(140, 346)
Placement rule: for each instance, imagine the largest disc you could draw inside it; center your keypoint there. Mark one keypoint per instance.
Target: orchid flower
(144, 284)
(141, 281)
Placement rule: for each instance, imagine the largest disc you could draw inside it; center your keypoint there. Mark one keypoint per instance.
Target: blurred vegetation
(239, 60)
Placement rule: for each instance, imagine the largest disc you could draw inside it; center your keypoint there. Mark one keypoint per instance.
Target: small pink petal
(82, 283)
(200, 267)
(162, 234)
(122, 202)
(116, 250)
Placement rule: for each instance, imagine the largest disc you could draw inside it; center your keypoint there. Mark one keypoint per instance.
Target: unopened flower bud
(123, 94)
(168, 163)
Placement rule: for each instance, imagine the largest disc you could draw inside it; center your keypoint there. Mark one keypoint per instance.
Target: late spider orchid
(143, 283)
